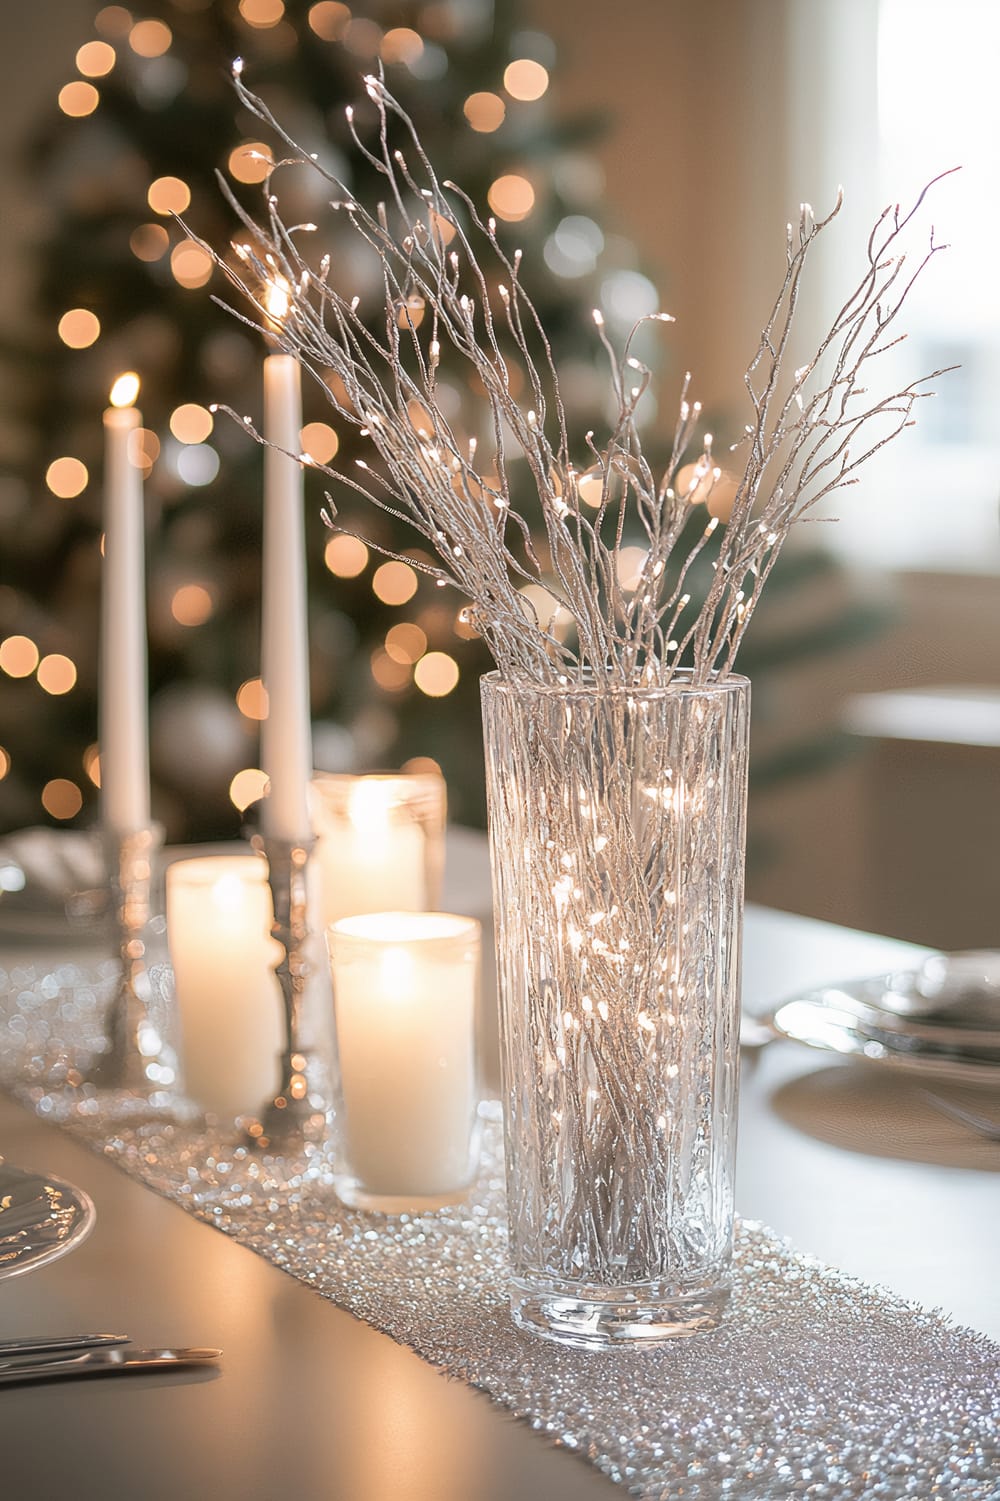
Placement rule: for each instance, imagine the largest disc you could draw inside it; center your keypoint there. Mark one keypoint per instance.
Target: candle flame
(277, 299)
(125, 390)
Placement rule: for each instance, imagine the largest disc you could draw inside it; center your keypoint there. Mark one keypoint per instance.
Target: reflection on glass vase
(617, 835)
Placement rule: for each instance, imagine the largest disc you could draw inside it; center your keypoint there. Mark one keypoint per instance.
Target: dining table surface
(853, 1163)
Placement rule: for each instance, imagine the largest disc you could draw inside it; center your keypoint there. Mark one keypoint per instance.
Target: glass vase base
(629, 1320)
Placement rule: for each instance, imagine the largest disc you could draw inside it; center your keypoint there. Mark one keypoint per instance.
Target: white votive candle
(379, 842)
(123, 733)
(219, 917)
(404, 990)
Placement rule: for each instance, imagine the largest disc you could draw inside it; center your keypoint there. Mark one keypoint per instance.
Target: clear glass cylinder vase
(617, 833)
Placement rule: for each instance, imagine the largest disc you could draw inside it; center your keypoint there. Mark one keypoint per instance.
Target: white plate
(41, 1218)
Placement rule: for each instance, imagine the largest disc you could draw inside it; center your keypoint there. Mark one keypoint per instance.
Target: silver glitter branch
(448, 280)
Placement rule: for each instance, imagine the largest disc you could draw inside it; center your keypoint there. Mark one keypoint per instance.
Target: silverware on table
(100, 1362)
(49, 1344)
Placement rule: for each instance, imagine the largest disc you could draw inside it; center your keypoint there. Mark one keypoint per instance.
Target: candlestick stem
(291, 1122)
(130, 1063)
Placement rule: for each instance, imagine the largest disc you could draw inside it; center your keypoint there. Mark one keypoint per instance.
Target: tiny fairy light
(441, 254)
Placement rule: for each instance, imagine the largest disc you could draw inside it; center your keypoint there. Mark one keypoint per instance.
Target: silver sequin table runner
(816, 1386)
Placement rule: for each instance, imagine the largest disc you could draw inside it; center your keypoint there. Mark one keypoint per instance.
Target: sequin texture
(816, 1385)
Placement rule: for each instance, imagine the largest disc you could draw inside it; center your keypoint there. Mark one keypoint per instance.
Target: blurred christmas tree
(139, 136)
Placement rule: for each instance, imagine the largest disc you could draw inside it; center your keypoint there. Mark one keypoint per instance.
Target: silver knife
(44, 1344)
(101, 1362)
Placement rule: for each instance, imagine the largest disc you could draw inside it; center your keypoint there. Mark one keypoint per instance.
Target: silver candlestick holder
(293, 1122)
(137, 1064)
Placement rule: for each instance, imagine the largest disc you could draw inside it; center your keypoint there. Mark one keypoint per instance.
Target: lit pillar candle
(286, 736)
(405, 987)
(380, 842)
(123, 731)
(219, 919)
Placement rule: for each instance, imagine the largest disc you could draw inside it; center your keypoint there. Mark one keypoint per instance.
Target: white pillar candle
(404, 987)
(123, 731)
(286, 736)
(380, 842)
(219, 918)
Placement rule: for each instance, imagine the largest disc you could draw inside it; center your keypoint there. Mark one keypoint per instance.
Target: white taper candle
(286, 735)
(123, 711)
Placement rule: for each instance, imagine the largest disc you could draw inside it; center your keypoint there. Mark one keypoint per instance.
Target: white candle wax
(379, 843)
(123, 731)
(286, 735)
(219, 919)
(405, 988)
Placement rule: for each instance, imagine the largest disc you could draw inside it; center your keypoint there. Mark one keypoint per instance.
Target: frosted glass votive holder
(405, 997)
(379, 842)
(219, 916)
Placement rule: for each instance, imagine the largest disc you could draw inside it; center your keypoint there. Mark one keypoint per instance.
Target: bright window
(932, 501)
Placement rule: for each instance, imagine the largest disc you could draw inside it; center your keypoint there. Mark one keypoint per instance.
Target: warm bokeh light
(67, 478)
(629, 567)
(391, 676)
(125, 390)
(401, 45)
(18, 656)
(79, 328)
(319, 441)
(4, 763)
(192, 604)
(436, 674)
(394, 583)
(251, 699)
(168, 195)
(590, 488)
(78, 99)
(192, 266)
(251, 161)
(95, 59)
(345, 556)
(329, 20)
(420, 418)
(442, 228)
(485, 112)
(56, 674)
(422, 766)
(247, 787)
(406, 643)
(114, 20)
(262, 13)
(191, 423)
(410, 312)
(524, 79)
(143, 448)
(150, 38)
(149, 242)
(463, 626)
(61, 798)
(511, 197)
(548, 612)
(92, 763)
